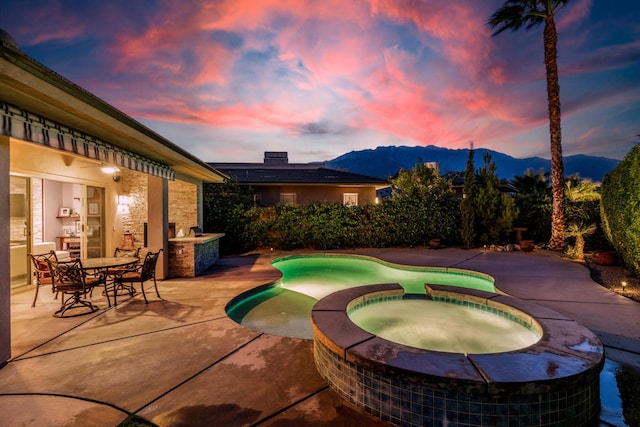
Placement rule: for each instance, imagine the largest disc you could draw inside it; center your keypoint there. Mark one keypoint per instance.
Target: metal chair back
(122, 252)
(42, 270)
(148, 270)
(68, 276)
(69, 279)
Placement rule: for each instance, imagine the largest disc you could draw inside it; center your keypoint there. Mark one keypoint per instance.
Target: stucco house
(78, 175)
(278, 181)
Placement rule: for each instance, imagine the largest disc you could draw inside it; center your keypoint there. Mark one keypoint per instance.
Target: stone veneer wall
(189, 259)
(183, 198)
(37, 226)
(132, 218)
(183, 202)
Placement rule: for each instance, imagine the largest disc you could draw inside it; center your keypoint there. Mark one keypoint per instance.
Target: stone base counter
(191, 256)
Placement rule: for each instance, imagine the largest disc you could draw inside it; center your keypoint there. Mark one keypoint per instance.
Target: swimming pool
(283, 308)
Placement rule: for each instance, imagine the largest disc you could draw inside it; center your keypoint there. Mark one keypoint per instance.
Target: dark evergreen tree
(466, 205)
(494, 210)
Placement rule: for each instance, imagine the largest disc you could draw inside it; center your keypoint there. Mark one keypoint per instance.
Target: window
(350, 199)
(287, 198)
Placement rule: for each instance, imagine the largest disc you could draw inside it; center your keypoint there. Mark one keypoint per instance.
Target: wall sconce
(112, 170)
(123, 200)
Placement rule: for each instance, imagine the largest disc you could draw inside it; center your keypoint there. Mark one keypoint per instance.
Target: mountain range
(384, 162)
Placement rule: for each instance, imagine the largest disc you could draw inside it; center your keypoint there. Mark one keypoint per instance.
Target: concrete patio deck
(180, 361)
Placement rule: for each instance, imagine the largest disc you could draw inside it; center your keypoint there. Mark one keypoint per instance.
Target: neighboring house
(278, 181)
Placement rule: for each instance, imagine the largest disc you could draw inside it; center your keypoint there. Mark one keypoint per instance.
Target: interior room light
(123, 200)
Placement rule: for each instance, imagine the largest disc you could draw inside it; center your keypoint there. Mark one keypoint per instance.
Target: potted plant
(434, 243)
(526, 245)
(606, 258)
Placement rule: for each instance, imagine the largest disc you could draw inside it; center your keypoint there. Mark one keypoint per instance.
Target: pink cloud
(54, 24)
(417, 72)
(575, 12)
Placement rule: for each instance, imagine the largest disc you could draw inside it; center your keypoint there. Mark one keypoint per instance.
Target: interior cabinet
(70, 244)
(71, 241)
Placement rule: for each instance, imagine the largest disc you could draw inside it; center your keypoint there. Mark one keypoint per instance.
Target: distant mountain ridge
(384, 162)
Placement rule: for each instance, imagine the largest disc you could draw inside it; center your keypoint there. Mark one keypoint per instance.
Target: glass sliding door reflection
(19, 230)
(94, 229)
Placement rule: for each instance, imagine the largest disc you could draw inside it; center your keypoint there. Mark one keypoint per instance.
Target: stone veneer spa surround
(554, 382)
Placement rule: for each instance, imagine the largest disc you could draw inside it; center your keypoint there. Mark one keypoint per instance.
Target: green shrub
(494, 211)
(224, 207)
(534, 203)
(621, 209)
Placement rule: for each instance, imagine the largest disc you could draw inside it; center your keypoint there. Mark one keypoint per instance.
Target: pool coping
(566, 350)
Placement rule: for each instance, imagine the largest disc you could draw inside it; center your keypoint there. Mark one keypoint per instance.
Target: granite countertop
(197, 240)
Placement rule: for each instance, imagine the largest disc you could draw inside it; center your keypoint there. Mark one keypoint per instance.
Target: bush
(225, 206)
(621, 209)
(393, 222)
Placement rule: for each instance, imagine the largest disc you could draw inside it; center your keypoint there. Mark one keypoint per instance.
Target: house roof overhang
(312, 175)
(37, 89)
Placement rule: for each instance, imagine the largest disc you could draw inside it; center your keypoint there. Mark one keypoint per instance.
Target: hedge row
(394, 222)
(621, 209)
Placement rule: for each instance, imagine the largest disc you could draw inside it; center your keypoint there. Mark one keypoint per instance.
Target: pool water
(440, 326)
(321, 275)
(284, 308)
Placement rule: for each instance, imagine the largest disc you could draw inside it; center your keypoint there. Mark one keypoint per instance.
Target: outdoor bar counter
(191, 256)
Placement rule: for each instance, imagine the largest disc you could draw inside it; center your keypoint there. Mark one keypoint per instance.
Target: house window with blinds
(288, 198)
(350, 199)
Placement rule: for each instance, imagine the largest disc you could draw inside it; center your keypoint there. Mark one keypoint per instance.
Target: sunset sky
(230, 79)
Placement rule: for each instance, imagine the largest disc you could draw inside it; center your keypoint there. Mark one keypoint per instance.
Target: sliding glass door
(94, 224)
(19, 230)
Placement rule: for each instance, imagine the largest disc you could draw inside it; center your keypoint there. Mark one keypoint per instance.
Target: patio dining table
(106, 265)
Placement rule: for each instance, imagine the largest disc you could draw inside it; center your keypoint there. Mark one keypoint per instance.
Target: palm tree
(579, 230)
(584, 190)
(512, 16)
(534, 185)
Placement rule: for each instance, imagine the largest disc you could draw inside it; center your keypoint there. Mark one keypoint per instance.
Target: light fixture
(109, 169)
(624, 286)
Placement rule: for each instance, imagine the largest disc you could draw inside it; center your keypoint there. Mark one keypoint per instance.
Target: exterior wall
(37, 214)
(183, 200)
(182, 205)
(132, 217)
(305, 194)
(158, 224)
(5, 279)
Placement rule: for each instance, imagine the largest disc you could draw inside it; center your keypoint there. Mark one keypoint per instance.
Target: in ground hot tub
(551, 380)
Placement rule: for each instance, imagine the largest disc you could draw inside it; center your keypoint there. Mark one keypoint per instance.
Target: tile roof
(258, 174)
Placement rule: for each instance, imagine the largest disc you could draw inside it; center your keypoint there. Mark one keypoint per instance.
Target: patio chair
(123, 253)
(42, 272)
(126, 252)
(141, 273)
(70, 279)
(113, 272)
